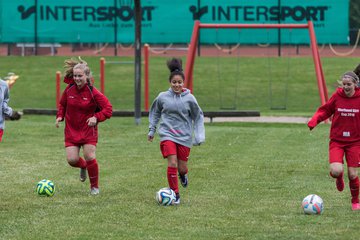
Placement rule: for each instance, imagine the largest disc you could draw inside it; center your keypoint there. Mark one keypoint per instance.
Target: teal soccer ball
(45, 188)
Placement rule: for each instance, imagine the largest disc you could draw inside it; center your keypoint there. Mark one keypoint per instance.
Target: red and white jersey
(345, 126)
(78, 105)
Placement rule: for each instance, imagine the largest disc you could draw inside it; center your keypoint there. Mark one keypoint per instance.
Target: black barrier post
(279, 30)
(115, 28)
(137, 62)
(36, 28)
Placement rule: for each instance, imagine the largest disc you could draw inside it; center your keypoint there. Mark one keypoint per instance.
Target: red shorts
(1, 134)
(168, 147)
(69, 144)
(337, 150)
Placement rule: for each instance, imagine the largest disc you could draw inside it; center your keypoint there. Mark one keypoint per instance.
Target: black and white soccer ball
(165, 196)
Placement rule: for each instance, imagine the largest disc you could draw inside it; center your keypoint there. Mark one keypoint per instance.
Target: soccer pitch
(251, 84)
(246, 182)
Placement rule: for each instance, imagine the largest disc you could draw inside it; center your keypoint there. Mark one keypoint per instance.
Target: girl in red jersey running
(180, 118)
(83, 107)
(344, 107)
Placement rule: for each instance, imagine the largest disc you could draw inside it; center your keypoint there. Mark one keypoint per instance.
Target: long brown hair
(70, 64)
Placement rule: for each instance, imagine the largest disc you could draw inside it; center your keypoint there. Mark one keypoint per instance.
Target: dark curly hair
(175, 67)
(357, 71)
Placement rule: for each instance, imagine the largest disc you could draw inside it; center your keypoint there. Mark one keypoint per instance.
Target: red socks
(173, 179)
(80, 164)
(182, 174)
(92, 168)
(354, 189)
(93, 172)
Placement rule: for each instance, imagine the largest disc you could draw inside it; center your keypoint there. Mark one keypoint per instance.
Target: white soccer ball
(165, 196)
(313, 204)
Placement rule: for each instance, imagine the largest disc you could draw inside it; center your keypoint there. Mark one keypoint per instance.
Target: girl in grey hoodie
(5, 109)
(181, 125)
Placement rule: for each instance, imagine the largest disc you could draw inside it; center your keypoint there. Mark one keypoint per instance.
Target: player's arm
(61, 108)
(154, 117)
(6, 109)
(198, 119)
(105, 106)
(323, 113)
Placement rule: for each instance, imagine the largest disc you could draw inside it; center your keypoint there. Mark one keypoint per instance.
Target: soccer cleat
(177, 200)
(340, 184)
(94, 191)
(82, 174)
(184, 180)
(355, 206)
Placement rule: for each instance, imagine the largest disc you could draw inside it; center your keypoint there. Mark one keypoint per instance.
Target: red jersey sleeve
(323, 113)
(104, 104)
(62, 104)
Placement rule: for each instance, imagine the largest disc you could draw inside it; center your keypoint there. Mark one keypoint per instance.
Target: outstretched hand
(59, 119)
(15, 115)
(310, 126)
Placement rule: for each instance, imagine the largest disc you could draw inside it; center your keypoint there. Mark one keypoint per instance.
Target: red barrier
(318, 68)
(102, 75)
(146, 74)
(190, 59)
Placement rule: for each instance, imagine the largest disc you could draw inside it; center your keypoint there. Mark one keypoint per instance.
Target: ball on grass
(312, 204)
(165, 196)
(45, 188)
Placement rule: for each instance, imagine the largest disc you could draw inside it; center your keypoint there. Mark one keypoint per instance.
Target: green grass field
(246, 182)
(217, 84)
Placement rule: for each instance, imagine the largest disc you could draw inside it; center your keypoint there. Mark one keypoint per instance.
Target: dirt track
(269, 119)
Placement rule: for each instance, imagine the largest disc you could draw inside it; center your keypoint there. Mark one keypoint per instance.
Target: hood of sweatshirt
(184, 92)
(340, 92)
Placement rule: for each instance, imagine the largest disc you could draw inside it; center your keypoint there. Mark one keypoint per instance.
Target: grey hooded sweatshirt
(179, 116)
(5, 110)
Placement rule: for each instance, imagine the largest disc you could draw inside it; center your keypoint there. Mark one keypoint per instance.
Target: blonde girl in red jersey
(344, 107)
(82, 107)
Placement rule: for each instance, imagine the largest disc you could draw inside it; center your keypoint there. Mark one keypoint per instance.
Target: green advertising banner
(164, 21)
